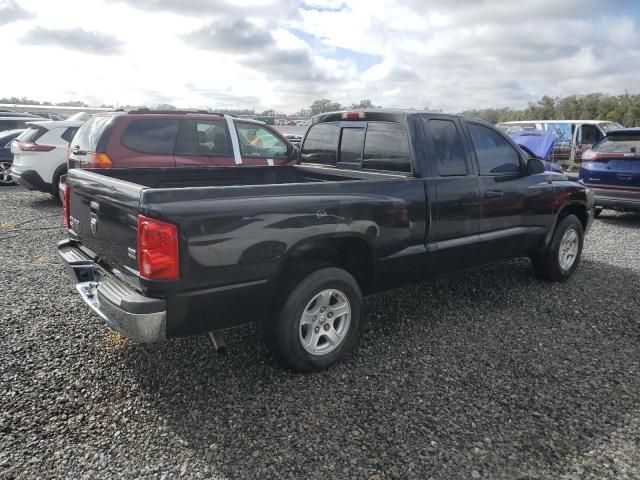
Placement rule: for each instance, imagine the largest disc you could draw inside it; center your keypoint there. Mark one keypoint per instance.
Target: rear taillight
(65, 191)
(157, 249)
(34, 147)
(98, 160)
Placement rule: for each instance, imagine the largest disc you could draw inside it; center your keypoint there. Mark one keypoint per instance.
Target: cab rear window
(376, 146)
(321, 144)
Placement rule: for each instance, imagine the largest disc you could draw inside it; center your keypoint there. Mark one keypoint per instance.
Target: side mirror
(293, 153)
(534, 166)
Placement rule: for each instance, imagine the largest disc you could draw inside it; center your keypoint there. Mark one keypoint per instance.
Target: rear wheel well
(350, 254)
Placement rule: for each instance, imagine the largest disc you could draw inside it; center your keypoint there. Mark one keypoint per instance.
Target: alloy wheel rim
(568, 251)
(325, 322)
(5, 173)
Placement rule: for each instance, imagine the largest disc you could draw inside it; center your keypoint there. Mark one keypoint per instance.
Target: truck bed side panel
(237, 240)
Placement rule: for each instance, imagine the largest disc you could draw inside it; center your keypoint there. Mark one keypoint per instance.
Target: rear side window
(495, 155)
(69, 133)
(203, 137)
(88, 135)
(321, 144)
(152, 135)
(386, 147)
(448, 147)
(351, 143)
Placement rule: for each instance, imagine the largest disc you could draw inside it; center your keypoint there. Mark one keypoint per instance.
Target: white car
(40, 154)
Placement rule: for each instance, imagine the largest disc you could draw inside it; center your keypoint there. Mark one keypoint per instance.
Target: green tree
(324, 105)
(366, 103)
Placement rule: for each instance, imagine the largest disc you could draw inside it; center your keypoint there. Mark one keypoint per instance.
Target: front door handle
(493, 194)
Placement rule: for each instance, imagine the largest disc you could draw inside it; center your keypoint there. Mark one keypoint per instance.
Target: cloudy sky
(283, 54)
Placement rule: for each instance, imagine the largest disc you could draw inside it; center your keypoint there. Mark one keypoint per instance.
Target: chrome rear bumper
(121, 307)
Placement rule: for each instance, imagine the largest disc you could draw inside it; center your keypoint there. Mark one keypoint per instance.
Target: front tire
(5, 174)
(562, 256)
(318, 323)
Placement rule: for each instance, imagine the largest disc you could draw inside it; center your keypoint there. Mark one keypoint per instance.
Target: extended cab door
(515, 207)
(454, 197)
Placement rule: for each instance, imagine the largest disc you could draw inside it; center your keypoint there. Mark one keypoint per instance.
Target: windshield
(607, 127)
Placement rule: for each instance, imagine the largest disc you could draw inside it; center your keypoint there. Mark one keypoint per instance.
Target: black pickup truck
(379, 199)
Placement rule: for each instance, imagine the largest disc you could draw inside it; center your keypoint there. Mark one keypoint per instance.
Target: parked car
(48, 115)
(536, 143)
(40, 154)
(12, 113)
(176, 139)
(612, 168)
(573, 137)
(381, 199)
(6, 157)
(12, 122)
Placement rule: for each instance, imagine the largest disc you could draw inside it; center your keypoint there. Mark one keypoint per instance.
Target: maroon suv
(145, 138)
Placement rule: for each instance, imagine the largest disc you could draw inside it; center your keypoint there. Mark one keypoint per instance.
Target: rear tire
(318, 322)
(562, 256)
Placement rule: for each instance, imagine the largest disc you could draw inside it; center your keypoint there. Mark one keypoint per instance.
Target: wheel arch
(577, 208)
(352, 253)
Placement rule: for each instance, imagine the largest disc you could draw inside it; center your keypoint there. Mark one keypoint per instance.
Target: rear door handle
(622, 176)
(493, 194)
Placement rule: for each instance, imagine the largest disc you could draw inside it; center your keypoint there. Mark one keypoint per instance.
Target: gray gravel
(490, 374)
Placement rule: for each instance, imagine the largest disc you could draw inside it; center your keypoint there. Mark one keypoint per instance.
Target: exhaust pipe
(217, 342)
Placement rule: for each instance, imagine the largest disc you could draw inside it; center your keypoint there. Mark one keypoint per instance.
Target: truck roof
(376, 114)
(518, 122)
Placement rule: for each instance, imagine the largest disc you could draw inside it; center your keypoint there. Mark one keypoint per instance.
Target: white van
(572, 136)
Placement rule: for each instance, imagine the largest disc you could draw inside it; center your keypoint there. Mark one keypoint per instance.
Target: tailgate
(104, 218)
(617, 172)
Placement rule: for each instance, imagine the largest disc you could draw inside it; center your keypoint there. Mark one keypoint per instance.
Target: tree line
(624, 109)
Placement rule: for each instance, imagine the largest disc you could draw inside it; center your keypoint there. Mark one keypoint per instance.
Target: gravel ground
(490, 374)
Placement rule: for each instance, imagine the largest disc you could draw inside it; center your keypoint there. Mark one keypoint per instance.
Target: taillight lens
(65, 191)
(157, 249)
(99, 160)
(34, 147)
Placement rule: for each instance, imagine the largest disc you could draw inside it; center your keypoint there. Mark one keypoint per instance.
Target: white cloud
(411, 53)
